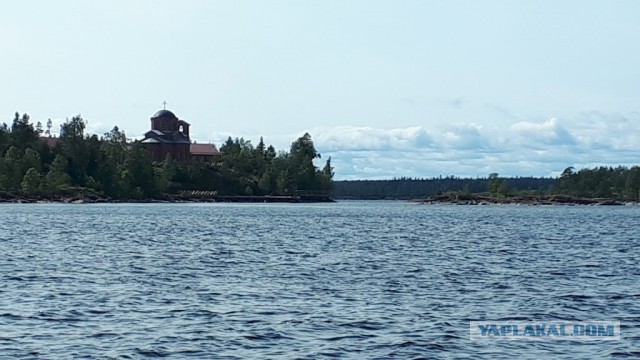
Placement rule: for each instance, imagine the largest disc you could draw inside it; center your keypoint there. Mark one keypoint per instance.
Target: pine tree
(31, 181)
(49, 126)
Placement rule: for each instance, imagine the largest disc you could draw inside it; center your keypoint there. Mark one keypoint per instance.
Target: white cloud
(464, 136)
(526, 148)
(609, 131)
(367, 138)
(546, 133)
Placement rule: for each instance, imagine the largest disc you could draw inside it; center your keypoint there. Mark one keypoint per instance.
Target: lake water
(344, 280)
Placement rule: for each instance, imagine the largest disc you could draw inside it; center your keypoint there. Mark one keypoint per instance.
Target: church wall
(158, 152)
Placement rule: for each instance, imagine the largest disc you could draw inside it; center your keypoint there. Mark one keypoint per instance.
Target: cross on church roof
(164, 105)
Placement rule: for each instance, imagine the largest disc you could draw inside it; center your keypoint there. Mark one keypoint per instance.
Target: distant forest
(601, 182)
(113, 167)
(411, 188)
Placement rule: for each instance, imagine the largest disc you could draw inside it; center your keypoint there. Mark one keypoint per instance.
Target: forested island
(87, 167)
(601, 185)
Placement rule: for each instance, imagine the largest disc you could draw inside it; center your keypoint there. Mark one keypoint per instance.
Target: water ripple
(346, 280)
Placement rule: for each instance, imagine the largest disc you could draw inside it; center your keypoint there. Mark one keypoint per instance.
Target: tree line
(413, 188)
(112, 166)
(601, 182)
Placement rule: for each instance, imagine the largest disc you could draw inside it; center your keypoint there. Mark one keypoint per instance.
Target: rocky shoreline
(87, 196)
(473, 199)
(66, 196)
(91, 197)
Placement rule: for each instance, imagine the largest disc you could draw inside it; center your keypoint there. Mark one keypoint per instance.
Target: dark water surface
(346, 280)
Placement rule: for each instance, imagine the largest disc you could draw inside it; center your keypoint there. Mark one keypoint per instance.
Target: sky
(385, 88)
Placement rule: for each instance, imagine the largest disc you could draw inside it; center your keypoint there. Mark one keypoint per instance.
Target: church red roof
(203, 149)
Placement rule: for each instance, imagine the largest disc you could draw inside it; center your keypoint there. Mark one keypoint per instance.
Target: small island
(485, 199)
(597, 186)
(165, 166)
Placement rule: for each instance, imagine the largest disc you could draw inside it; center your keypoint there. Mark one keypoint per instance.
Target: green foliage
(497, 186)
(165, 173)
(12, 169)
(503, 189)
(325, 177)
(5, 136)
(494, 183)
(49, 126)
(23, 134)
(602, 182)
(116, 168)
(260, 170)
(412, 188)
(31, 159)
(57, 178)
(75, 147)
(301, 159)
(268, 182)
(139, 174)
(31, 181)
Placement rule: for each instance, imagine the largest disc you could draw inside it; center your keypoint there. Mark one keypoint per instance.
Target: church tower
(168, 135)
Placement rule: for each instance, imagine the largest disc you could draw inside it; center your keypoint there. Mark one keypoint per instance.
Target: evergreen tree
(302, 168)
(22, 132)
(75, 148)
(268, 182)
(57, 178)
(4, 138)
(13, 174)
(325, 176)
(164, 174)
(49, 126)
(31, 159)
(139, 174)
(31, 181)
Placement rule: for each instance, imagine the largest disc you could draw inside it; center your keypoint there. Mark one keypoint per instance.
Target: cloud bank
(526, 148)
